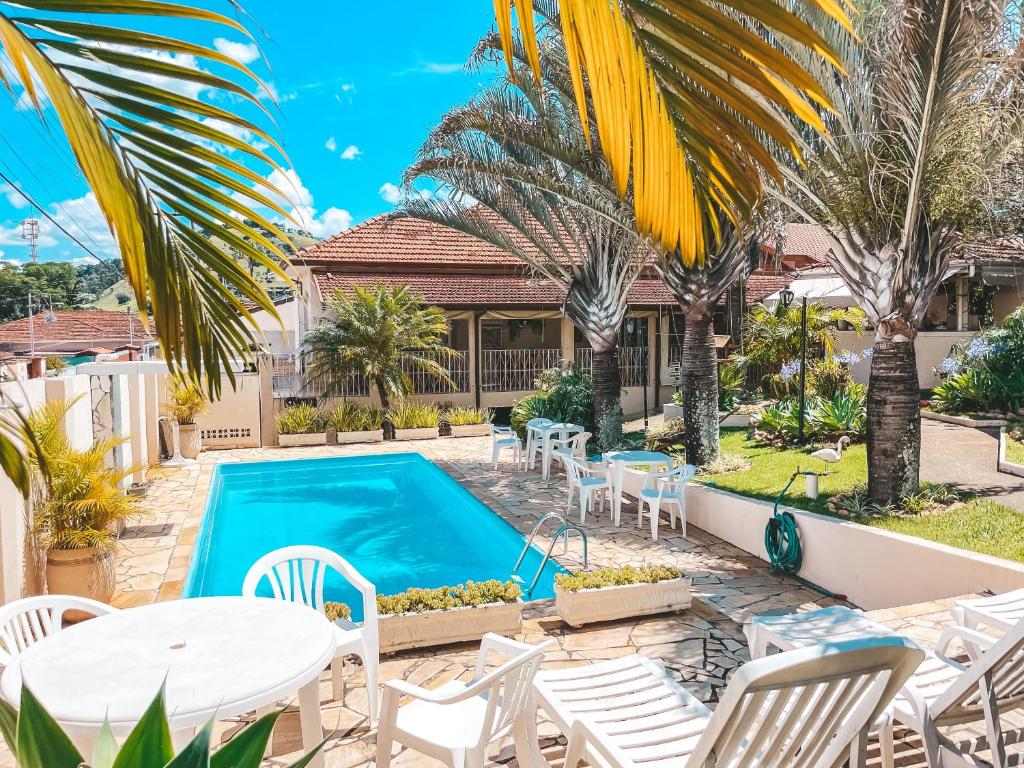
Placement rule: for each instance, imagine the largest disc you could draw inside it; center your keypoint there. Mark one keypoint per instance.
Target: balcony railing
(514, 370)
(425, 384)
(632, 364)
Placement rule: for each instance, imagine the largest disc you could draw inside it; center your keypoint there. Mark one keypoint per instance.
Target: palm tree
(380, 333)
(773, 336)
(687, 98)
(921, 119)
(545, 197)
(159, 160)
(697, 289)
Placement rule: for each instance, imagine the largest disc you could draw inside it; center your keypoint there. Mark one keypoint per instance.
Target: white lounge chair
(809, 708)
(668, 489)
(535, 439)
(575, 446)
(591, 483)
(943, 692)
(504, 439)
(1000, 612)
(456, 722)
(297, 574)
(25, 622)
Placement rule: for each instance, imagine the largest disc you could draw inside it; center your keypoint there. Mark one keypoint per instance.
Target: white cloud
(237, 131)
(351, 152)
(391, 193)
(331, 144)
(439, 68)
(14, 198)
(302, 209)
(243, 53)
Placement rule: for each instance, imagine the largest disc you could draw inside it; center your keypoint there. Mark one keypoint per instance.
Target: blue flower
(867, 354)
(950, 366)
(979, 348)
(790, 369)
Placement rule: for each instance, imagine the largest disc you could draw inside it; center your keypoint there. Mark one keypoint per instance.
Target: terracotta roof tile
(806, 240)
(72, 330)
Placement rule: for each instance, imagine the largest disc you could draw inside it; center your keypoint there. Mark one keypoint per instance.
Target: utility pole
(31, 328)
(30, 232)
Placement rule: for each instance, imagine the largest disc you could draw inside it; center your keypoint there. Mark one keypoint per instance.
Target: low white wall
(932, 348)
(872, 567)
(234, 420)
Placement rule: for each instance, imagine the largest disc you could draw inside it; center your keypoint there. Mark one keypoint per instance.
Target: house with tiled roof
(506, 320)
(73, 333)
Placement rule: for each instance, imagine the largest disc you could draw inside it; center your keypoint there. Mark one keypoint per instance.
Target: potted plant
(301, 425)
(355, 424)
(83, 505)
(415, 421)
(468, 422)
(186, 400)
(421, 618)
(619, 593)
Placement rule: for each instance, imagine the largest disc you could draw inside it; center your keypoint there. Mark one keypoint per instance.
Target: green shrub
(533, 406)
(965, 392)
(56, 363)
(731, 377)
(843, 414)
(411, 415)
(778, 387)
(301, 420)
(349, 417)
(564, 394)
(828, 377)
(462, 595)
(614, 577)
(335, 611)
(459, 416)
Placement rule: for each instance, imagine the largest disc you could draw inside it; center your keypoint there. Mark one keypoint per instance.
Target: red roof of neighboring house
(808, 240)
(760, 285)
(72, 330)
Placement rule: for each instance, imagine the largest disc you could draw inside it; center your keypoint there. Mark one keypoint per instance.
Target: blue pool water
(398, 518)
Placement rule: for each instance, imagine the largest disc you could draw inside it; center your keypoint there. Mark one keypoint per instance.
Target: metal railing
(632, 364)
(514, 370)
(425, 384)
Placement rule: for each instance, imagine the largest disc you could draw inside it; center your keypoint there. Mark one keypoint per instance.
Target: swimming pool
(398, 518)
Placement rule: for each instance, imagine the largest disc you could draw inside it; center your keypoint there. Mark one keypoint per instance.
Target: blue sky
(359, 86)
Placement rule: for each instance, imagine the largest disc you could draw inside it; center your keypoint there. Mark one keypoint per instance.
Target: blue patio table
(618, 461)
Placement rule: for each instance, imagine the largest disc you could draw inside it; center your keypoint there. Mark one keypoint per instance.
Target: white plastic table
(802, 630)
(562, 429)
(220, 656)
(999, 612)
(618, 461)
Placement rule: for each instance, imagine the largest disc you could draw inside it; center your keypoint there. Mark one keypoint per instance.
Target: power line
(4, 177)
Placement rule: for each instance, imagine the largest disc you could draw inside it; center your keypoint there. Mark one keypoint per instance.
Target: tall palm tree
(920, 118)
(687, 96)
(547, 198)
(697, 289)
(379, 333)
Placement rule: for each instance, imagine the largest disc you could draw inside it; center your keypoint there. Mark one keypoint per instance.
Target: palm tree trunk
(607, 395)
(385, 404)
(894, 421)
(700, 389)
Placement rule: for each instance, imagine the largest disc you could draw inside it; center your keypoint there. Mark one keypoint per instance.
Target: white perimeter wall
(932, 347)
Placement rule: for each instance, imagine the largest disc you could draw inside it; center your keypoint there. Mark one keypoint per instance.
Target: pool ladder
(565, 529)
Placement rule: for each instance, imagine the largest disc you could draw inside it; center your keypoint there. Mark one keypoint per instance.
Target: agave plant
(37, 741)
(843, 414)
(686, 96)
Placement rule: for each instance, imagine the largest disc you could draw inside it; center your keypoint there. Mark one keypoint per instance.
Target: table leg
(310, 720)
(618, 475)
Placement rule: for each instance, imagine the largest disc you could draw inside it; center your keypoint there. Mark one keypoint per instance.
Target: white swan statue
(830, 455)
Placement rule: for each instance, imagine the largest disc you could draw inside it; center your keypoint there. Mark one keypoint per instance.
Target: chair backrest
(674, 483)
(578, 444)
(498, 431)
(507, 688)
(804, 708)
(26, 622)
(574, 469)
(296, 574)
(998, 670)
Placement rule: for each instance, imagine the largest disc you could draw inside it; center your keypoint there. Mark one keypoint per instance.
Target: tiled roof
(763, 284)
(806, 240)
(1002, 249)
(68, 330)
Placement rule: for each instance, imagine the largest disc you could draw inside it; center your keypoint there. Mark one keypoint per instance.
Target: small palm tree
(380, 333)
(773, 335)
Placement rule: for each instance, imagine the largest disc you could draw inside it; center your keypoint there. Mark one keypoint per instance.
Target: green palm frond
(158, 159)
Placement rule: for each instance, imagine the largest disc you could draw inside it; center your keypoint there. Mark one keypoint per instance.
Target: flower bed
(619, 593)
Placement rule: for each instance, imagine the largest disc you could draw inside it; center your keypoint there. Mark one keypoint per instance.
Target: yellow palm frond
(686, 95)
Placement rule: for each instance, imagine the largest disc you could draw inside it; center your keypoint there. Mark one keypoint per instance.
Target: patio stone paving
(700, 647)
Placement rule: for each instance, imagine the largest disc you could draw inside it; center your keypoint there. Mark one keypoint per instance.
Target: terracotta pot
(191, 442)
(82, 572)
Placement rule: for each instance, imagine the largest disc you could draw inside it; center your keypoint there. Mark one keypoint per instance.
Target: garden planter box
(363, 436)
(421, 433)
(471, 430)
(402, 631)
(190, 440)
(313, 438)
(963, 421)
(740, 420)
(622, 602)
(673, 411)
(86, 572)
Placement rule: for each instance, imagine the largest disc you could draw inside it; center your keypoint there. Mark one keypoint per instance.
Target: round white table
(220, 656)
(618, 461)
(545, 433)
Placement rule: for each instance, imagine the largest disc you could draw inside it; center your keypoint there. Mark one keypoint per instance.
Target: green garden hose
(781, 539)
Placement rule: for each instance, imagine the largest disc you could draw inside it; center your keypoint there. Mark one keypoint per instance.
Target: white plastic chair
(296, 574)
(534, 439)
(668, 488)
(809, 708)
(575, 446)
(1000, 612)
(25, 622)
(503, 438)
(455, 722)
(591, 482)
(944, 692)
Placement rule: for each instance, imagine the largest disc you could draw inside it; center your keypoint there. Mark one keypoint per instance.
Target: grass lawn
(979, 525)
(1014, 451)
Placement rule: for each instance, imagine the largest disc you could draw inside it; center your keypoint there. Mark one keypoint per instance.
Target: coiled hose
(781, 539)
